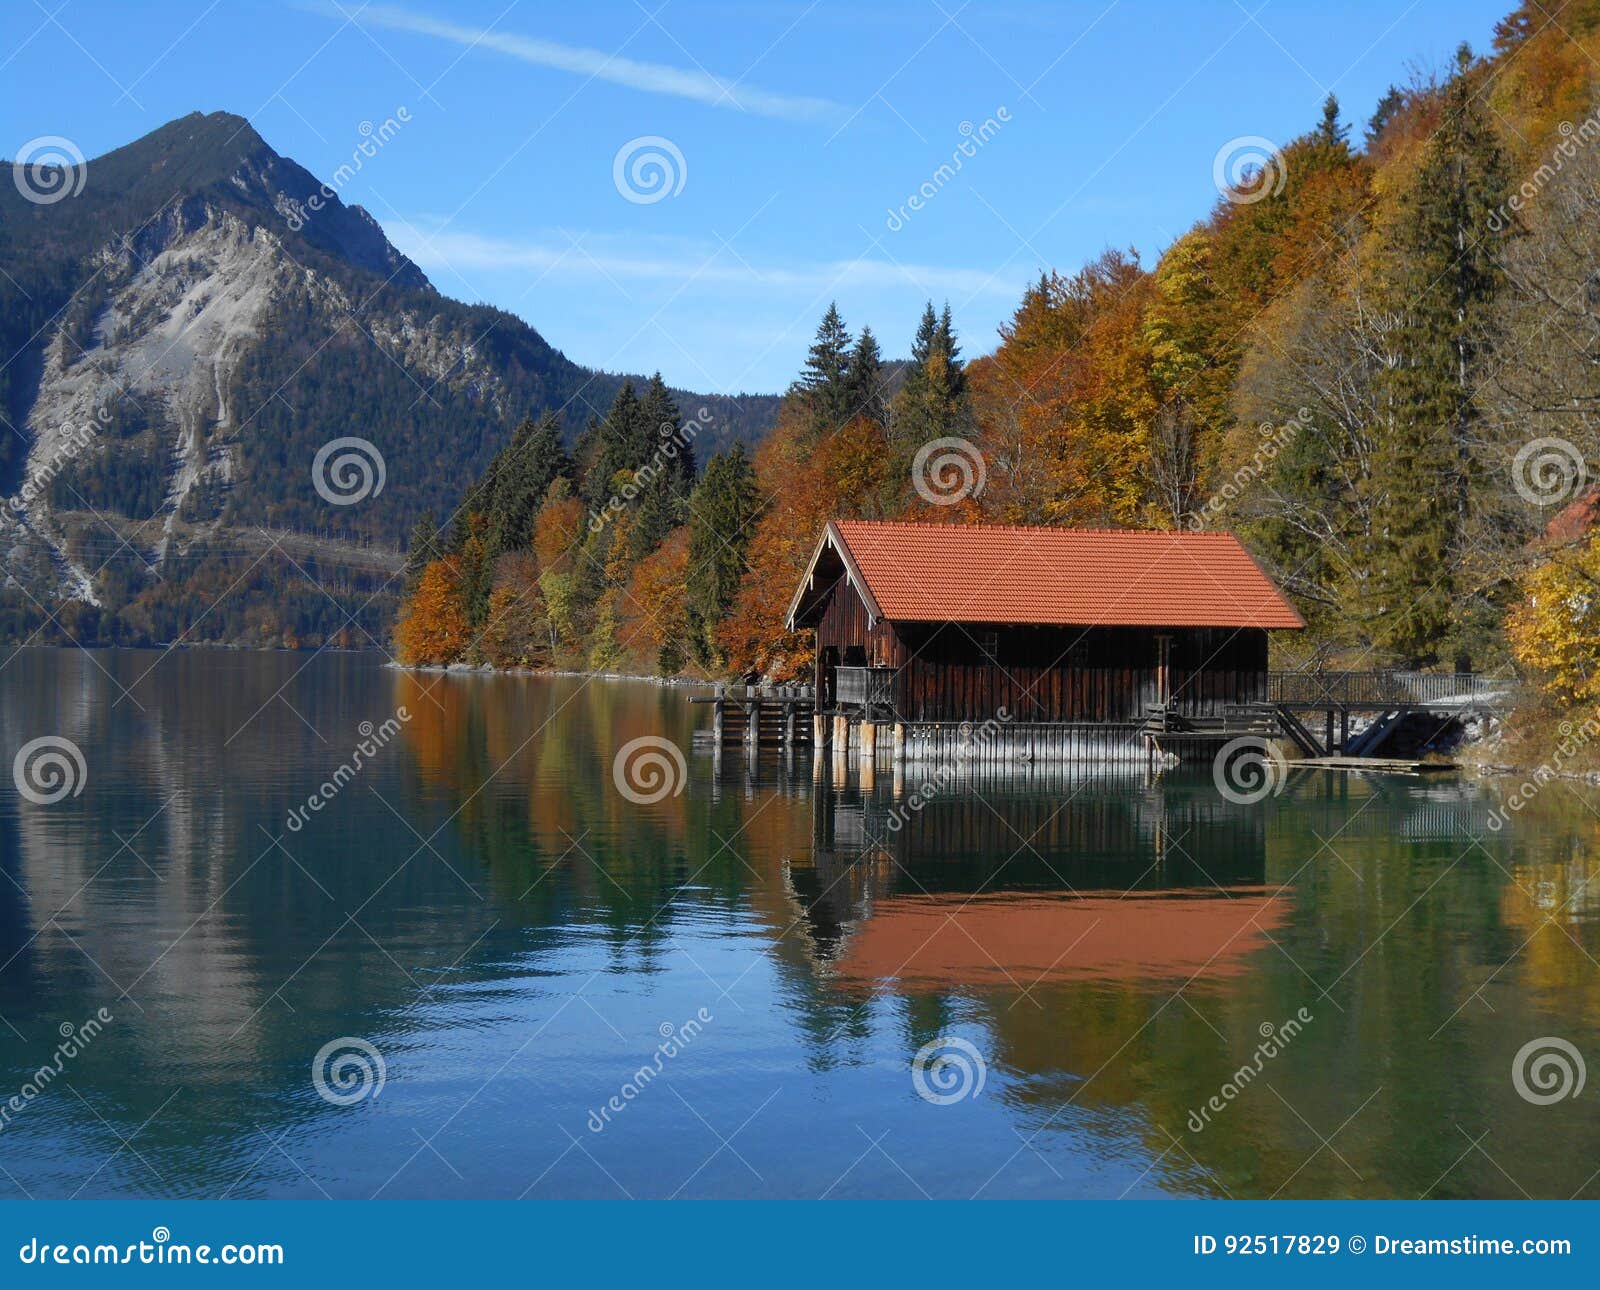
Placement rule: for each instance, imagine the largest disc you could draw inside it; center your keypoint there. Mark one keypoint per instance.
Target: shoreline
(485, 669)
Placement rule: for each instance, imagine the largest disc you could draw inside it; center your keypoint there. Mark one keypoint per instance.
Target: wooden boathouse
(1049, 643)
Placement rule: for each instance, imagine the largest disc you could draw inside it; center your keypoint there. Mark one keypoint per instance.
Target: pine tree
(1388, 108)
(663, 440)
(866, 379)
(1443, 278)
(722, 519)
(824, 385)
(520, 476)
(617, 445)
(421, 548)
(932, 401)
(1329, 131)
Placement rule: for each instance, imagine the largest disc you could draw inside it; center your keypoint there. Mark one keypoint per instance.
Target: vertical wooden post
(819, 732)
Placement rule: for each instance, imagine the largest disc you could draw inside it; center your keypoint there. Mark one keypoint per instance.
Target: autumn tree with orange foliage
(434, 627)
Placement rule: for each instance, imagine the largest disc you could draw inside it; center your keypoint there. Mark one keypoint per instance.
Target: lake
(303, 926)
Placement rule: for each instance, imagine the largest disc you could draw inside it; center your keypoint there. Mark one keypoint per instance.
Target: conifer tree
(1329, 131)
(824, 385)
(722, 519)
(421, 548)
(932, 401)
(866, 379)
(616, 444)
(520, 476)
(1443, 279)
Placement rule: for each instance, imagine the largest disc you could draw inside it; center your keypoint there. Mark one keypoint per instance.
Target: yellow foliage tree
(1555, 630)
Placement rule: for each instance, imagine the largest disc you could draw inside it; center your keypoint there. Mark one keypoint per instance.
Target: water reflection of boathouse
(1032, 875)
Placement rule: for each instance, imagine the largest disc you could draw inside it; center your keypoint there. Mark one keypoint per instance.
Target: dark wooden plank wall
(1043, 673)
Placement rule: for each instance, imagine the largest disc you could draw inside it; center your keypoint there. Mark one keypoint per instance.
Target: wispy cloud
(600, 257)
(652, 78)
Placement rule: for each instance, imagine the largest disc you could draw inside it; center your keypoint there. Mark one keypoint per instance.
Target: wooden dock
(1374, 765)
(760, 716)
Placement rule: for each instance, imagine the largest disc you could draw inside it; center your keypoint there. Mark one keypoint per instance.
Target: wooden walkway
(760, 716)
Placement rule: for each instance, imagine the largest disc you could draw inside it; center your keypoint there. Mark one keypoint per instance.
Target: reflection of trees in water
(1427, 948)
(1442, 955)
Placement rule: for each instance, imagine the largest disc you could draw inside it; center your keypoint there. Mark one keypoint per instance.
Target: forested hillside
(1375, 359)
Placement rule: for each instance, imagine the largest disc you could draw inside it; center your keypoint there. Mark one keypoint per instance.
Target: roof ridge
(937, 526)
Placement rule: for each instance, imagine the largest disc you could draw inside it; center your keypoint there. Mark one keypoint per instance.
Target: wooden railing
(1391, 686)
(861, 687)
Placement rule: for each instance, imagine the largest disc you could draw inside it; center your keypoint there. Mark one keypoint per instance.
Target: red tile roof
(1082, 577)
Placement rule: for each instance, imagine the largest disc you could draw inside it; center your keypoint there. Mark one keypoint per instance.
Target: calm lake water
(1093, 958)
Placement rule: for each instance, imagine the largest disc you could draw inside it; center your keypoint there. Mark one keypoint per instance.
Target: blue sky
(794, 133)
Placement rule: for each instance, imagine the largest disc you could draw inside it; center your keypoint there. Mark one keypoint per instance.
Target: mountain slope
(183, 336)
